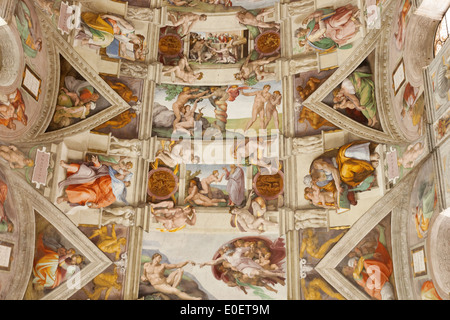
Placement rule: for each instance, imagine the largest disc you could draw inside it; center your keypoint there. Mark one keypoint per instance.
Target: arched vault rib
(384, 76)
(118, 105)
(374, 41)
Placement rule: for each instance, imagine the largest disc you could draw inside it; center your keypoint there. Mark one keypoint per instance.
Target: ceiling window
(442, 32)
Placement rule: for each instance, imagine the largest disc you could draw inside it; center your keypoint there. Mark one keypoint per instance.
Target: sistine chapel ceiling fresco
(224, 150)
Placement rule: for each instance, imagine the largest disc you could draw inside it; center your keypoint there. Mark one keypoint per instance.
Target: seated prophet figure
(93, 184)
(357, 161)
(115, 34)
(350, 170)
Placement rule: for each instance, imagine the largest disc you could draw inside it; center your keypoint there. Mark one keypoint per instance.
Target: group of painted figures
(185, 116)
(229, 48)
(98, 182)
(336, 176)
(244, 263)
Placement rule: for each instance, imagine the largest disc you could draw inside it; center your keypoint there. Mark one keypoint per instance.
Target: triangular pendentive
(355, 97)
(383, 213)
(79, 99)
(348, 98)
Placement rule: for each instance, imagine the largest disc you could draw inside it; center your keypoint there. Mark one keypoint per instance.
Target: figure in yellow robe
(52, 268)
(352, 170)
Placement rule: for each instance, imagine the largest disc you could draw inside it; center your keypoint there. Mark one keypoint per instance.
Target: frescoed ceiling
(224, 150)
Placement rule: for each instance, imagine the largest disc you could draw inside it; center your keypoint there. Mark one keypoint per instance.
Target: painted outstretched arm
(179, 265)
(192, 194)
(212, 262)
(249, 94)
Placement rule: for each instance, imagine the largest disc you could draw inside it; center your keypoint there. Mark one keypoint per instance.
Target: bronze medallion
(162, 183)
(170, 45)
(269, 186)
(268, 43)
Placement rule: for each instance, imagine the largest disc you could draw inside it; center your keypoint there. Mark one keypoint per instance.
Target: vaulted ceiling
(313, 165)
